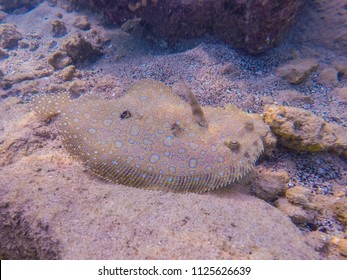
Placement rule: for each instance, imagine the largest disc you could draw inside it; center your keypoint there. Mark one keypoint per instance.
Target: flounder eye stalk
(197, 111)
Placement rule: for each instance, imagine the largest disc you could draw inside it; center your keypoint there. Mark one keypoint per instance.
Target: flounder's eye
(125, 115)
(176, 128)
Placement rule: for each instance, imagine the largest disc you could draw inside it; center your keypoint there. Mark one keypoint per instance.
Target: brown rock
(341, 245)
(319, 241)
(270, 185)
(294, 212)
(253, 25)
(22, 5)
(34, 46)
(27, 76)
(328, 76)
(299, 195)
(132, 26)
(79, 49)
(323, 23)
(77, 87)
(294, 97)
(81, 22)
(340, 209)
(67, 73)
(59, 60)
(301, 130)
(341, 94)
(3, 54)
(9, 36)
(55, 88)
(24, 44)
(229, 68)
(3, 16)
(29, 88)
(296, 71)
(341, 66)
(58, 28)
(18, 137)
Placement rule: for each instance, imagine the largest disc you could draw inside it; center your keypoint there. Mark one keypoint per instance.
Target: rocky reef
(252, 25)
(9, 36)
(301, 130)
(19, 5)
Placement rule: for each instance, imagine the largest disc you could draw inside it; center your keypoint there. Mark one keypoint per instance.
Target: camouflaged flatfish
(151, 138)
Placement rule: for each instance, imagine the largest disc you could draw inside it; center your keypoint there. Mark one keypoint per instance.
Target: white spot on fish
(118, 144)
(92, 130)
(168, 142)
(194, 146)
(154, 158)
(172, 169)
(107, 122)
(220, 159)
(135, 129)
(193, 162)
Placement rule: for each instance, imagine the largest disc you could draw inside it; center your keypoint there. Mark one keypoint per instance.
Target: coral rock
(3, 54)
(27, 76)
(296, 71)
(340, 209)
(318, 240)
(323, 23)
(28, 88)
(59, 60)
(341, 94)
(253, 25)
(9, 36)
(79, 49)
(301, 130)
(58, 28)
(293, 97)
(67, 73)
(328, 76)
(81, 22)
(22, 5)
(299, 195)
(269, 185)
(341, 66)
(77, 87)
(295, 213)
(341, 245)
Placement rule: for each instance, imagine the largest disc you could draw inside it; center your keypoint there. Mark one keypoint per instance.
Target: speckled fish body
(150, 139)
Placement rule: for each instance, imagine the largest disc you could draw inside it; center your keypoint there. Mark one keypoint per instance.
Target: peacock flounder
(151, 138)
